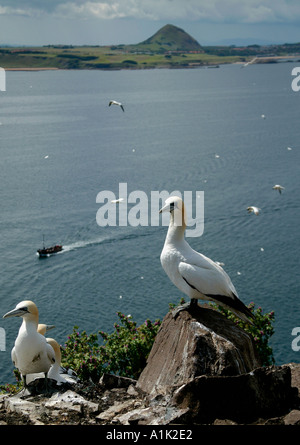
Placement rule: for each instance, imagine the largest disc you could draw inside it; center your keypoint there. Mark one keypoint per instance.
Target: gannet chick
(194, 274)
(278, 187)
(253, 209)
(114, 102)
(31, 352)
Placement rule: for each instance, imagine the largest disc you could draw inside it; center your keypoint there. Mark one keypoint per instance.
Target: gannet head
(26, 309)
(175, 206)
(43, 328)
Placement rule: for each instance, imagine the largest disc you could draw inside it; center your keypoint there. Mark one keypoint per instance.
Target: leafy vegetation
(124, 352)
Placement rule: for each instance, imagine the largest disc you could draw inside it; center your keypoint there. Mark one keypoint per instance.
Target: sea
(224, 135)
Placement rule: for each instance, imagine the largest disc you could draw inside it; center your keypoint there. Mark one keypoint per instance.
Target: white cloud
(214, 11)
(227, 11)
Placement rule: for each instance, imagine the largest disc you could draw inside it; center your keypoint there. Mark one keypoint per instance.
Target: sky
(113, 22)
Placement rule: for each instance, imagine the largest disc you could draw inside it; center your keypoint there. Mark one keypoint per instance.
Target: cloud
(214, 11)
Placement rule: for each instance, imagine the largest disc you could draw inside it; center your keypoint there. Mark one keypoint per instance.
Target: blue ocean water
(187, 130)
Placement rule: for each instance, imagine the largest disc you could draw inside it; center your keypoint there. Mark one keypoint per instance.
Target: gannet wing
(214, 283)
(209, 281)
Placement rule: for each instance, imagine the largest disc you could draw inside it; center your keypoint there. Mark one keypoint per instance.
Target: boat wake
(103, 240)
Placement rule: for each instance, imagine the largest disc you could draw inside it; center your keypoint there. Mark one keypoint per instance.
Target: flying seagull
(194, 274)
(114, 102)
(253, 209)
(278, 187)
(249, 63)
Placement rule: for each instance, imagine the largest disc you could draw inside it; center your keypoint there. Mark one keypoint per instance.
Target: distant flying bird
(194, 274)
(278, 187)
(250, 62)
(117, 201)
(263, 116)
(114, 102)
(253, 209)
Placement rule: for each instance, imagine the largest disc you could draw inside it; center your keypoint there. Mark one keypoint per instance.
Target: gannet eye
(172, 206)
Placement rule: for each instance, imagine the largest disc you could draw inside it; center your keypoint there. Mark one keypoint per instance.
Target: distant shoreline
(31, 69)
(261, 60)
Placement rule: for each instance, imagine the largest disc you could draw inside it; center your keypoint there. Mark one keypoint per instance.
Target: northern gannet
(114, 102)
(194, 274)
(253, 209)
(278, 187)
(117, 201)
(56, 371)
(249, 63)
(31, 353)
(43, 328)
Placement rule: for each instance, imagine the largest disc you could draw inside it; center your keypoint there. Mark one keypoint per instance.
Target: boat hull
(45, 252)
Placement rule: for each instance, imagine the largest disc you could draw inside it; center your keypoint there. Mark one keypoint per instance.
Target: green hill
(170, 38)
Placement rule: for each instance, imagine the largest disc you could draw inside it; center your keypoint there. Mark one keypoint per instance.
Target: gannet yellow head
(26, 309)
(43, 328)
(175, 206)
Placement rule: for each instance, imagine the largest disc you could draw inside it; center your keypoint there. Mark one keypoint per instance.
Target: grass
(101, 57)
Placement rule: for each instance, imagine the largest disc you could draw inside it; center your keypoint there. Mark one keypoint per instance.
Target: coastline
(260, 60)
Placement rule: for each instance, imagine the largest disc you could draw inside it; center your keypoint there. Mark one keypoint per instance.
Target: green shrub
(124, 352)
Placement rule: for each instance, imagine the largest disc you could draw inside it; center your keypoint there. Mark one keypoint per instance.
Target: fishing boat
(47, 251)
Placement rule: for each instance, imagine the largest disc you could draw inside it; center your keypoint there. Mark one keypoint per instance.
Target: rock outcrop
(194, 343)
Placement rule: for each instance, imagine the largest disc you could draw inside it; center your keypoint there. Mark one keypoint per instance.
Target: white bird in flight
(278, 187)
(194, 274)
(31, 353)
(250, 62)
(114, 102)
(253, 209)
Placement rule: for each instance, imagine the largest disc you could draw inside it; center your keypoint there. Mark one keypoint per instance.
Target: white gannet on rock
(31, 353)
(194, 274)
(56, 371)
(253, 209)
(278, 187)
(114, 102)
(42, 329)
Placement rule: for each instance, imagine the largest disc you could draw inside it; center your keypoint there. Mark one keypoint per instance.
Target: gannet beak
(163, 209)
(168, 207)
(16, 313)
(49, 327)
